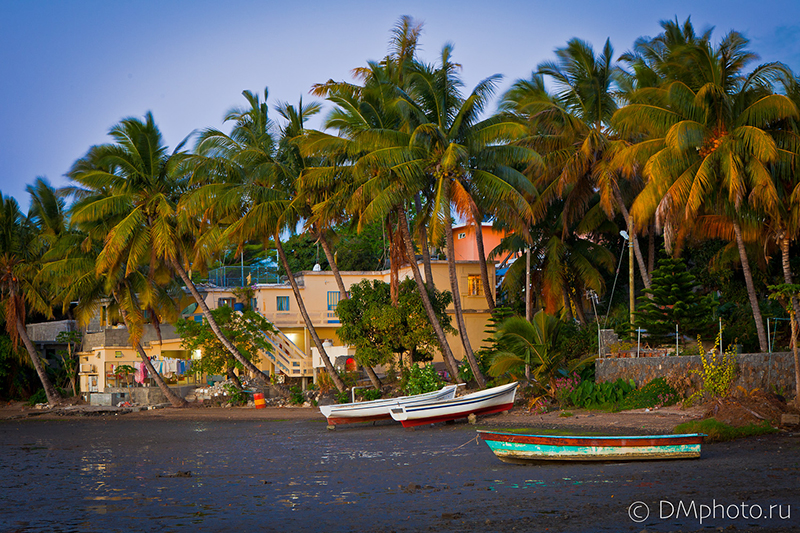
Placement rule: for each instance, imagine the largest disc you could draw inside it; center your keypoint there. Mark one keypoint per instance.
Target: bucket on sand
(258, 399)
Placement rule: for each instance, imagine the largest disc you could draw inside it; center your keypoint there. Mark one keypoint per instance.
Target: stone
(472, 418)
(788, 419)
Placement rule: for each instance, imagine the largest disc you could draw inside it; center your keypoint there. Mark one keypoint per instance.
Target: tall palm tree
(709, 148)
(249, 191)
(469, 163)
(18, 286)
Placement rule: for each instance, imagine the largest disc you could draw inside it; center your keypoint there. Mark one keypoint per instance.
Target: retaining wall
(756, 370)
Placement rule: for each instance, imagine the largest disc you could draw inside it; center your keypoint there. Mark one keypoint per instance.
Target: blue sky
(70, 70)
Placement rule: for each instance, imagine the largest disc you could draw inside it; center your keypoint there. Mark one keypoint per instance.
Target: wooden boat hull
(350, 413)
(494, 400)
(524, 448)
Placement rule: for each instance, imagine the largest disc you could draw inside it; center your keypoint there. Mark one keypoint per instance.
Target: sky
(71, 70)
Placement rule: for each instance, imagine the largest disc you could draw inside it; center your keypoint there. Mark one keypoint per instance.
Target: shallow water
(81, 475)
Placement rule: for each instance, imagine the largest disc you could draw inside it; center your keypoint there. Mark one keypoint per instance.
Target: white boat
(494, 400)
(347, 413)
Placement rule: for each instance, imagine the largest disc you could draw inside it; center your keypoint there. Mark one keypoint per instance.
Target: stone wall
(761, 370)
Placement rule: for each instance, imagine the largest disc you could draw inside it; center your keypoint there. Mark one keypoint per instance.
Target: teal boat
(525, 448)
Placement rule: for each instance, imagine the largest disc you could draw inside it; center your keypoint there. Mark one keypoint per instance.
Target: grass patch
(720, 432)
(564, 414)
(544, 431)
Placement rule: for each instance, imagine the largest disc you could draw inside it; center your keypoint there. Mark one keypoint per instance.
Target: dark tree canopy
(379, 331)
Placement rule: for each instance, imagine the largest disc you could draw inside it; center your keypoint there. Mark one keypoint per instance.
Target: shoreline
(639, 421)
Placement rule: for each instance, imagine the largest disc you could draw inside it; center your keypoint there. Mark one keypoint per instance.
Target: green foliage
(589, 394)
(371, 394)
(533, 343)
(244, 331)
(670, 300)
(717, 431)
(342, 397)
(576, 340)
(296, 396)
(657, 393)
(421, 379)
(380, 331)
(38, 397)
(234, 395)
(717, 372)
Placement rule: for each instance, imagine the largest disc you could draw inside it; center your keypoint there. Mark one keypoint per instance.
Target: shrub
(591, 394)
(235, 396)
(657, 393)
(296, 396)
(343, 397)
(371, 394)
(421, 379)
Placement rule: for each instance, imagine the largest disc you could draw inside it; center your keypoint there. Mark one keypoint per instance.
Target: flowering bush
(562, 388)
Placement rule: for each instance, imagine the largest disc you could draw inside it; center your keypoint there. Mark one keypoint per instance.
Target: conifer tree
(673, 301)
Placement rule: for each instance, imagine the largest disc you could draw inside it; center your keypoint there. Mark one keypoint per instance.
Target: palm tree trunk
(173, 398)
(307, 319)
(373, 377)
(394, 264)
(632, 235)
(795, 314)
(751, 291)
(423, 243)
(651, 250)
(344, 295)
(462, 326)
(447, 353)
(787, 275)
(326, 247)
(488, 290)
(53, 396)
(187, 281)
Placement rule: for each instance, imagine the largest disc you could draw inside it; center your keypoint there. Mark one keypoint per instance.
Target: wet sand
(281, 470)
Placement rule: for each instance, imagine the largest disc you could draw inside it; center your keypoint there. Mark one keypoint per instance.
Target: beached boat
(494, 400)
(524, 448)
(348, 413)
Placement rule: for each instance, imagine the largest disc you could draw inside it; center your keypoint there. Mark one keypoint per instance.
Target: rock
(472, 418)
(788, 419)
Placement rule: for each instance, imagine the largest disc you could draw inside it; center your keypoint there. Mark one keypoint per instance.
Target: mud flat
(247, 470)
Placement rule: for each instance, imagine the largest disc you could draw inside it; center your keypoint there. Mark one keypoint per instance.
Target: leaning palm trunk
(487, 289)
(423, 243)
(447, 353)
(751, 291)
(187, 281)
(462, 325)
(343, 294)
(326, 247)
(307, 319)
(173, 398)
(795, 314)
(53, 396)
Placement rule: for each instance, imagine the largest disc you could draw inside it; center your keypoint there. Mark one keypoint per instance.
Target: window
(474, 285)
(283, 303)
(226, 301)
(333, 300)
(462, 235)
(254, 304)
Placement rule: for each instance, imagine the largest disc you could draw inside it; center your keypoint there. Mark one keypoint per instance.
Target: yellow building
(294, 354)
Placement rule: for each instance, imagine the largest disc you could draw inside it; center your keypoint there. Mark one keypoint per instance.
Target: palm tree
(709, 149)
(18, 286)
(250, 192)
(470, 164)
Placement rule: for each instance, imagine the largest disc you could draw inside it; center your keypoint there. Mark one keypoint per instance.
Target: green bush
(235, 396)
(371, 394)
(591, 394)
(657, 393)
(421, 379)
(296, 396)
(343, 397)
(38, 397)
